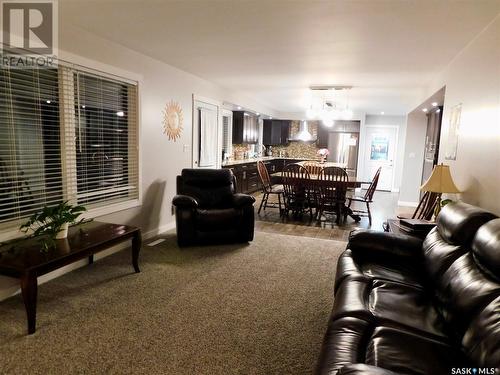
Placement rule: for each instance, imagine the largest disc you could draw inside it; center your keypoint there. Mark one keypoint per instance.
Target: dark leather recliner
(209, 211)
(403, 306)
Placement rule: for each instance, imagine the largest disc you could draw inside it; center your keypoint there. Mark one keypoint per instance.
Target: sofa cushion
(365, 268)
(482, 338)
(212, 188)
(344, 344)
(439, 254)
(408, 353)
(458, 222)
(391, 304)
(217, 219)
(486, 248)
(463, 290)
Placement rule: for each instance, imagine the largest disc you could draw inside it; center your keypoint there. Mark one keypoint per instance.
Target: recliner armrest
(184, 201)
(241, 200)
(362, 369)
(371, 242)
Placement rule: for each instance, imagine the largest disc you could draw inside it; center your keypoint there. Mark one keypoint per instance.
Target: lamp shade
(440, 181)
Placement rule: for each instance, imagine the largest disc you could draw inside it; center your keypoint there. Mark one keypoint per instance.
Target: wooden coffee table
(26, 261)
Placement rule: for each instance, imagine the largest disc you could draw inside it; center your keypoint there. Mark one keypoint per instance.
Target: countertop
(263, 158)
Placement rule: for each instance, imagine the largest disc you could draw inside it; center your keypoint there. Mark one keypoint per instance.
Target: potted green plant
(53, 221)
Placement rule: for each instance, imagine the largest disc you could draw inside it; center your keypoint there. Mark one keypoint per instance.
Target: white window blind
(66, 134)
(30, 157)
(106, 139)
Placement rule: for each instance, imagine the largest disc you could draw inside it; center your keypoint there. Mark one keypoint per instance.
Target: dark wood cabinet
(276, 132)
(245, 128)
(247, 177)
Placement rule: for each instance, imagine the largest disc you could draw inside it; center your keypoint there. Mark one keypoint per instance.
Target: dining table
(353, 182)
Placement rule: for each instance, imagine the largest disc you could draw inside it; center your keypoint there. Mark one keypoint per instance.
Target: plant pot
(63, 233)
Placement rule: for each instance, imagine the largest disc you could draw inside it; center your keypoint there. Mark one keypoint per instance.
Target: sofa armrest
(184, 201)
(362, 369)
(241, 200)
(371, 242)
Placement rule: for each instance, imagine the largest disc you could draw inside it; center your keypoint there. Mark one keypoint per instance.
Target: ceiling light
(257, 114)
(438, 110)
(239, 107)
(424, 109)
(48, 101)
(434, 104)
(270, 117)
(83, 106)
(120, 113)
(329, 103)
(382, 113)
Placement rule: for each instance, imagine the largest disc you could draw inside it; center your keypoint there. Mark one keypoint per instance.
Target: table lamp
(440, 181)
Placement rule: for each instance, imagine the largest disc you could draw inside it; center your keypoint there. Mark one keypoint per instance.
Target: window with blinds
(30, 144)
(106, 137)
(65, 134)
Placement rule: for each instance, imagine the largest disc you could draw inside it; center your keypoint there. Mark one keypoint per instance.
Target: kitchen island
(247, 176)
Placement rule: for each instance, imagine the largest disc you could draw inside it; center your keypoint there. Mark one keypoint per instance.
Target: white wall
(400, 122)
(473, 79)
(413, 158)
(161, 159)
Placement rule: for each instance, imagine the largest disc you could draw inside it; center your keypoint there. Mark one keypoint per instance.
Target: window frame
(10, 229)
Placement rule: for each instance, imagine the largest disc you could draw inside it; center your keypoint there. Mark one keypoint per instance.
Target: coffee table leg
(136, 247)
(29, 285)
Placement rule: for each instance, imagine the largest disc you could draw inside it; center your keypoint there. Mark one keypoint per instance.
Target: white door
(207, 145)
(380, 149)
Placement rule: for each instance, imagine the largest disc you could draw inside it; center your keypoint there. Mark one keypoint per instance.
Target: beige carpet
(260, 308)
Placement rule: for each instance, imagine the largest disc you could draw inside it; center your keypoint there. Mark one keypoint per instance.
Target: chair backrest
(373, 186)
(296, 181)
(340, 178)
(212, 188)
(426, 206)
(265, 179)
(313, 167)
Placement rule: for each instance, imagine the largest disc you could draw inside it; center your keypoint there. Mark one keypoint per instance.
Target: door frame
(196, 132)
(394, 160)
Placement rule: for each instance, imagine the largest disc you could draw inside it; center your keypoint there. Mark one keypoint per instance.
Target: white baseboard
(407, 204)
(10, 286)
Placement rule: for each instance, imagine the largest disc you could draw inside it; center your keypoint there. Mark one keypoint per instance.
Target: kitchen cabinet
(247, 177)
(276, 132)
(245, 128)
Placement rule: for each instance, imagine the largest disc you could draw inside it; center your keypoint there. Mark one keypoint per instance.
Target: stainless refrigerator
(344, 148)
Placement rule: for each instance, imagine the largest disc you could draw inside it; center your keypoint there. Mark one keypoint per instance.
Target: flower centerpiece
(323, 153)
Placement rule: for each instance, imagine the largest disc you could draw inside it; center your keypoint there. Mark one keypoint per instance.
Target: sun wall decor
(172, 120)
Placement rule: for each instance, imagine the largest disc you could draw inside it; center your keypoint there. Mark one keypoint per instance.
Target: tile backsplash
(295, 149)
(298, 149)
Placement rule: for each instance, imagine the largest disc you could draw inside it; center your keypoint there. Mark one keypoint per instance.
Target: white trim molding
(407, 204)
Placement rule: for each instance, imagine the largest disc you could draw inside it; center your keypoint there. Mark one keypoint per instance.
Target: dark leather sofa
(207, 209)
(403, 306)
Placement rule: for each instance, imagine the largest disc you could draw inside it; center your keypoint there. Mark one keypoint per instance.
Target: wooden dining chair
(313, 167)
(268, 189)
(367, 198)
(425, 208)
(332, 187)
(297, 189)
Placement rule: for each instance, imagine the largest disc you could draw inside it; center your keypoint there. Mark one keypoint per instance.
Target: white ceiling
(274, 49)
